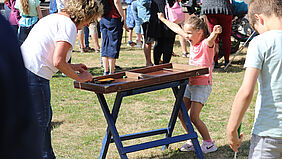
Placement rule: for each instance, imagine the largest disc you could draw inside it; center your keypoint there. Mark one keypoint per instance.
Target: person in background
(53, 7)
(46, 51)
(199, 88)
(143, 11)
(130, 22)
(219, 12)
(111, 26)
(6, 12)
(92, 29)
(83, 38)
(14, 15)
(19, 131)
(138, 22)
(30, 13)
(60, 4)
(163, 36)
(263, 65)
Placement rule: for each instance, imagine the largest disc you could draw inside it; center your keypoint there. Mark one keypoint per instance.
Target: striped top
(217, 7)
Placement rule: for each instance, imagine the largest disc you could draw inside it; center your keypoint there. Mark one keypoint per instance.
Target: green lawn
(79, 124)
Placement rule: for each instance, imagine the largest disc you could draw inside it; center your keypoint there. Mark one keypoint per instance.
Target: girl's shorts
(198, 93)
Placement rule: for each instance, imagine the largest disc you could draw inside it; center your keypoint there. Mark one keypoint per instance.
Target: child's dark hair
(198, 23)
(266, 7)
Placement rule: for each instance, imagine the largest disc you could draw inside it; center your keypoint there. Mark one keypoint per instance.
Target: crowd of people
(43, 46)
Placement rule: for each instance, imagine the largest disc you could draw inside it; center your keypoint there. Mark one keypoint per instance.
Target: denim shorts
(265, 147)
(198, 93)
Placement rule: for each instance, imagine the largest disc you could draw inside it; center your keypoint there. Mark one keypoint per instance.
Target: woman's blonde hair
(83, 10)
(25, 6)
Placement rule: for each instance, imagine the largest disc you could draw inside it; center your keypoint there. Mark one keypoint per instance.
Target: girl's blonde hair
(198, 24)
(25, 6)
(83, 10)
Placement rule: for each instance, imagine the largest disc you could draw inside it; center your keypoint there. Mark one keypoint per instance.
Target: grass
(79, 124)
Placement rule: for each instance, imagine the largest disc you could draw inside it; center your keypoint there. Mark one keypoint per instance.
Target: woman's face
(194, 35)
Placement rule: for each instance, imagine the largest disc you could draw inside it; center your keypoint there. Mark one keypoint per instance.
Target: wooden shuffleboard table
(137, 81)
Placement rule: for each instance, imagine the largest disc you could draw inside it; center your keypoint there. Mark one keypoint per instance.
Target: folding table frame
(112, 134)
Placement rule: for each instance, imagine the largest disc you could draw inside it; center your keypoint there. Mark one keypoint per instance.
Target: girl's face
(194, 35)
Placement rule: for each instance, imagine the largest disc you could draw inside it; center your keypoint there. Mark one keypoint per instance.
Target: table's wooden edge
(97, 88)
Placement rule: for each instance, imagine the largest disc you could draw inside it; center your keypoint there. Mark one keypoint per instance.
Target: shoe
(83, 50)
(188, 146)
(89, 49)
(216, 65)
(97, 50)
(208, 147)
(139, 45)
(174, 54)
(106, 73)
(131, 43)
(185, 55)
(117, 67)
(226, 63)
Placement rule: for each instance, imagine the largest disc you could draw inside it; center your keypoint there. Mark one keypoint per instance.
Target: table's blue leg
(178, 93)
(190, 129)
(111, 130)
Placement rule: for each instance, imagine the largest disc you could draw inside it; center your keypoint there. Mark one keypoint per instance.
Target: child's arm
(173, 26)
(240, 105)
(217, 29)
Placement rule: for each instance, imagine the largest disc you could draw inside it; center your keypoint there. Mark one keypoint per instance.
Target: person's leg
(168, 49)
(188, 146)
(130, 42)
(226, 22)
(195, 111)
(157, 51)
(105, 64)
(147, 52)
(138, 31)
(112, 62)
(86, 36)
(183, 46)
(147, 45)
(94, 36)
(80, 37)
(40, 90)
(187, 103)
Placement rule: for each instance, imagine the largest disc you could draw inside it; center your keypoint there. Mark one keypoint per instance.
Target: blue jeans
(41, 97)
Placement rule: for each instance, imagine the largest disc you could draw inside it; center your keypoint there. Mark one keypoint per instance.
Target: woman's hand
(85, 77)
(79, 67)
